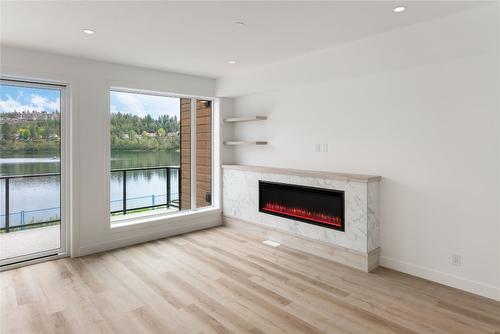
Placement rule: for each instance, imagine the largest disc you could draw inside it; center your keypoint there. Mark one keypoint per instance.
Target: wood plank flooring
(220, 281)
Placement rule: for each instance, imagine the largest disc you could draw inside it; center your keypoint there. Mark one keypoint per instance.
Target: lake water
(37, 199)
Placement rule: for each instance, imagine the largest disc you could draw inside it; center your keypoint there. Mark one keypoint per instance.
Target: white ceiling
(201, 37)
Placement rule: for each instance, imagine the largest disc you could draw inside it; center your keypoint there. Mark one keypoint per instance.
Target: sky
(142, 104)
(16, 98)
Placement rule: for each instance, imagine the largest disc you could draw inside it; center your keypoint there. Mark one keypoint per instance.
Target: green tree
(24, 133)
(42, 132)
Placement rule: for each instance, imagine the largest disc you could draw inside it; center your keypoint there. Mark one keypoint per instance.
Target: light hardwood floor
(219, 281)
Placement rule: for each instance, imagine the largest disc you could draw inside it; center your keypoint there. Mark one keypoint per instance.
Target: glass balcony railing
(145, 188)
(132, 190)
(23, 204)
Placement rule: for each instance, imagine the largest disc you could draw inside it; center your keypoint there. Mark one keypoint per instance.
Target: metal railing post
(179, 193)
(7, 213)
(169, 197)
(124, 209)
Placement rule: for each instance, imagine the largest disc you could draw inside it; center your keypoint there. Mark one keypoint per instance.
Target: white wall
(89, 84)
(227, 109)
(418, 106)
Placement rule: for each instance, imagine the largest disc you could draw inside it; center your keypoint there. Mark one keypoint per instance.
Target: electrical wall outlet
(456, 260)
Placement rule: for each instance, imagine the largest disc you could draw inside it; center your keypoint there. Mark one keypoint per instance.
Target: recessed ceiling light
(231, 62)
(88, 31)
(399, 9)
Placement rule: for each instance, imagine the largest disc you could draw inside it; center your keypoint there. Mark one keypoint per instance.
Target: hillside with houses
(30, 131)
(131, 132)
(34, 131)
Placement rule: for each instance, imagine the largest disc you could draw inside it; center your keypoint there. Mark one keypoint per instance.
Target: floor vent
(271, 243)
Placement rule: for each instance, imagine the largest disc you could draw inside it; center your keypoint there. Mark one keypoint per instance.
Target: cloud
(128, 103)
(35, 102)
(142, 104)
(9, 104)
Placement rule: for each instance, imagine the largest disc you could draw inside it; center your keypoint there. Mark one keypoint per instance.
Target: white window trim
(192, 151)
(139, 222)
(216, 154)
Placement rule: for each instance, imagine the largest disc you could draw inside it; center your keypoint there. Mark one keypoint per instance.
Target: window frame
(160, 216)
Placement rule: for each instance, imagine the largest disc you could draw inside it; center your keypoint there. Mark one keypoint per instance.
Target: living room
(234, 167)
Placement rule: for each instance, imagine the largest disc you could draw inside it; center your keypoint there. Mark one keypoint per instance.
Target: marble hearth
(357, 246)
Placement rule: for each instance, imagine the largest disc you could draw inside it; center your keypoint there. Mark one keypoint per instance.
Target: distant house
(149, 134)
(173, 134)
(125, 136)
(53, 136)
(29, 116)
(32, 116)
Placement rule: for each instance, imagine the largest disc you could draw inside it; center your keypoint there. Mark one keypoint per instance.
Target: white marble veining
(241, 198)
(373, 205)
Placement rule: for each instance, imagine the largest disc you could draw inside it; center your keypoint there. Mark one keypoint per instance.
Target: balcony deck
(18, 243)
(30, 241)
(34, 240)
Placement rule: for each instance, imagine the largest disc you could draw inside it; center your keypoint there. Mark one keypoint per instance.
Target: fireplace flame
(304, 214)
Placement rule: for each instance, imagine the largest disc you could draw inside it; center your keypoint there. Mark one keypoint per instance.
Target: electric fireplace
(318, 206)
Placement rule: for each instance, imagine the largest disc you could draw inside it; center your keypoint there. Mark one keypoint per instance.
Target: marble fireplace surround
(357, 247)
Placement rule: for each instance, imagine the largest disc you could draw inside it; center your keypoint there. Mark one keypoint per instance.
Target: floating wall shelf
(245, 119)
(241, 143)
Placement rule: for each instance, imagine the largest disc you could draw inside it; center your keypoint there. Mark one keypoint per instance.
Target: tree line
(131, 132)
(30, 136)
(128, 132)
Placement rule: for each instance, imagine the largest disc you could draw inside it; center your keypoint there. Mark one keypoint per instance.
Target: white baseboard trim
(457, 282)
(171, 229)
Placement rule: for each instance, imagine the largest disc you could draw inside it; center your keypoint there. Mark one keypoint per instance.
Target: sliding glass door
(31, 218)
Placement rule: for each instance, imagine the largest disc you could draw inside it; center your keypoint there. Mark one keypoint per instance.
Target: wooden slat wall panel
(203, 152)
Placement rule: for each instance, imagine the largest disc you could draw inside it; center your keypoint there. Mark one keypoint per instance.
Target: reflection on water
(24, 163)
(132, 159)
(38, 199)
(29, 160)
(13, 163)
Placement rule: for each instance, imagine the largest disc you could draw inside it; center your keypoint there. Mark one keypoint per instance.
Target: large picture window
(154, 141)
